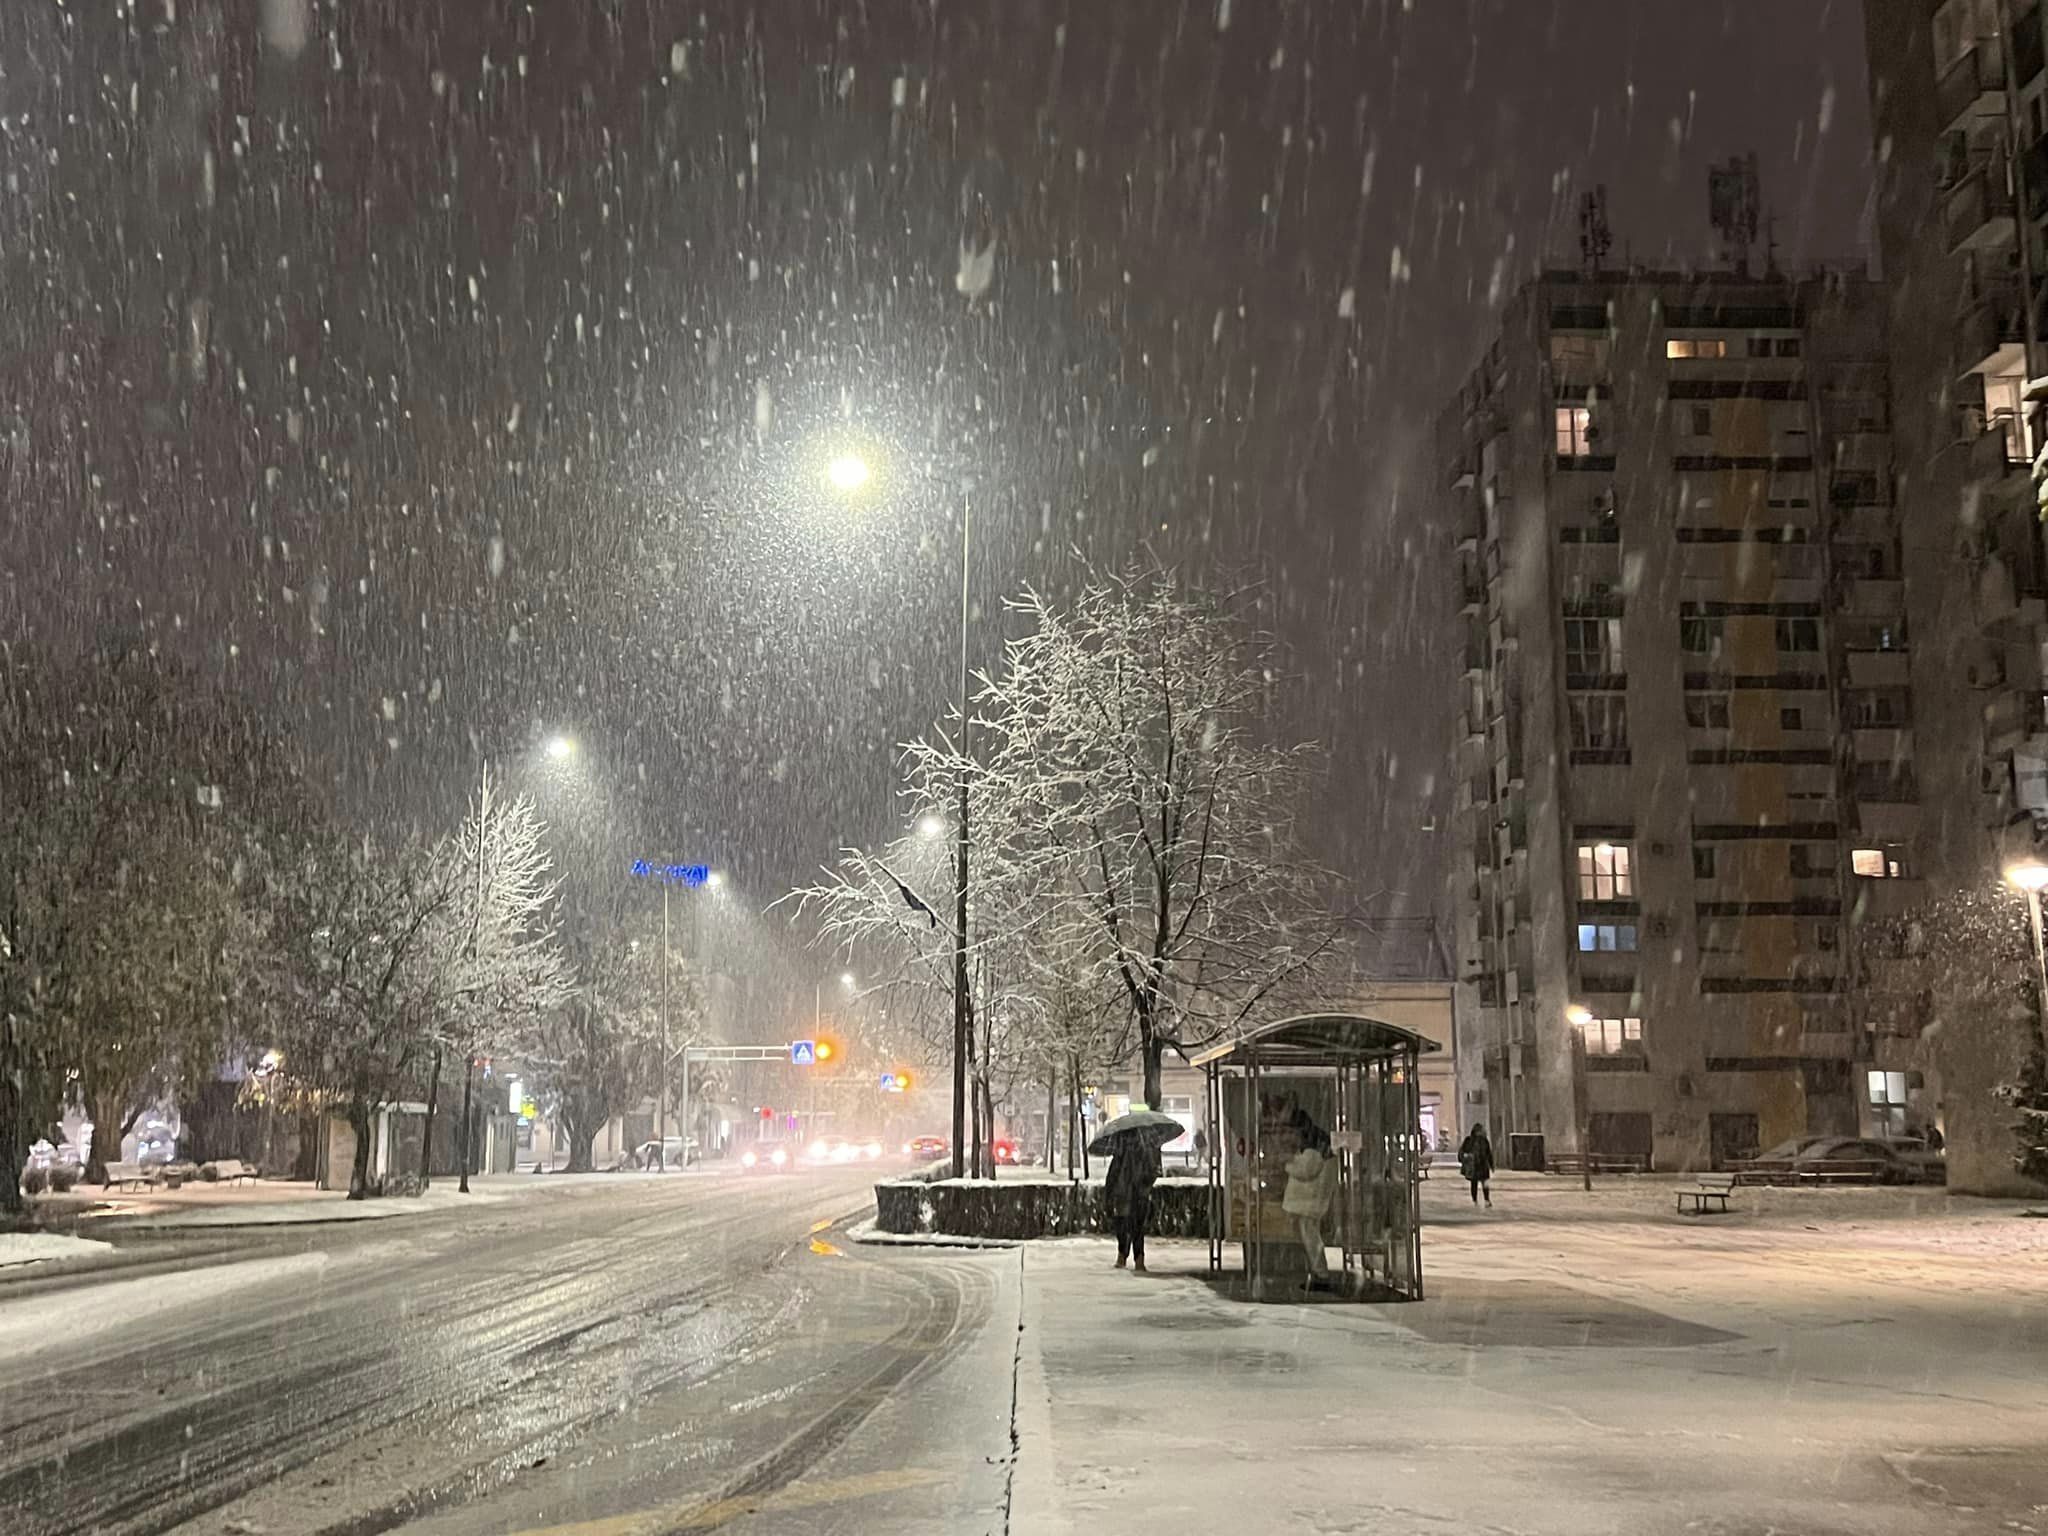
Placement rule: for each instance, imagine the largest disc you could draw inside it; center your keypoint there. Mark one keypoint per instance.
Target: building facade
(1687, 773)
(1959, 104)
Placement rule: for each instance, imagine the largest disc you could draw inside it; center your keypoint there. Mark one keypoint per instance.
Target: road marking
(711, 1517)
(819, 1226)
(819, 1245)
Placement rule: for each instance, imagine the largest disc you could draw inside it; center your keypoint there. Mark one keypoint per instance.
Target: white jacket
(1311, 1184)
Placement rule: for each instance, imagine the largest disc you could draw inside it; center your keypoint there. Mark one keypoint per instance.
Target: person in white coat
(1311, 1185)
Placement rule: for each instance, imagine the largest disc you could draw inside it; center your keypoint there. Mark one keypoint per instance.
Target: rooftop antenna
(1734, 208)
(1595, 238)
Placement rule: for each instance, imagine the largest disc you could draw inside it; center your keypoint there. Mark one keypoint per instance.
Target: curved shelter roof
(1319, 1039)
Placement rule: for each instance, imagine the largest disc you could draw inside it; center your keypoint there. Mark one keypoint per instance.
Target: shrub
(208, 1173)
(34, 1180)
(63, 1179)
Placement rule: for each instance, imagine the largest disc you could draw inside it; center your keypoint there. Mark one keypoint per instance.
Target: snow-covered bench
(1712, 1186)
(121, 1175)
(227, 1170)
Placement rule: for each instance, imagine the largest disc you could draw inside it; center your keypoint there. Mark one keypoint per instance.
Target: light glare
(848, 472)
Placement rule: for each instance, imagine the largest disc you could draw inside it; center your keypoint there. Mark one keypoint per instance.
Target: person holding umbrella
(1132, 1143)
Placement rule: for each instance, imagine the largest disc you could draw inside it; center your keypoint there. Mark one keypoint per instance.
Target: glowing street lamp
(848, 472)
(931, 824)
(2030, 875)
(560, 748)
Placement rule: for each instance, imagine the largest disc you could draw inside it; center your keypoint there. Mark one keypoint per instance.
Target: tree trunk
(427, 1135)
(13, 1148)
(581, 1135)
(1052, 1098)
(1076, 1155)
(359, 1170)
(468, 1079)
(103, 1109)
(1155, 1049)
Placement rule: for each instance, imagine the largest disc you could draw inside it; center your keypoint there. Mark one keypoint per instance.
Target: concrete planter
(1022, 1209)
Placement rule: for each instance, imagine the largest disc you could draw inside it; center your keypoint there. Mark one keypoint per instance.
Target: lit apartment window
(2003, 413)
(1877, 864)
(1687, 346)
(1604, 872)
(1574, 431)
(1888, 1097)
(1607, 938)
(1612, 1037)
(1592, 647)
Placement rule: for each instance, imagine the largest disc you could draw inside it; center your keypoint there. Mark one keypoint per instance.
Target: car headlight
(874, 1149)
(778, 1157)
(747, 1159)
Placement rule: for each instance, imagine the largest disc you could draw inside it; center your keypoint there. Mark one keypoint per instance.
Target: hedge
(1025, 1209)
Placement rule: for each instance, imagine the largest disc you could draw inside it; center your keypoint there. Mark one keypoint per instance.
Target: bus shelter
(1343, 1075)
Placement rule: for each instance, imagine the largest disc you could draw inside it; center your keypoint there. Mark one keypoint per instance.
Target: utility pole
(661, 1085)
(483, 831)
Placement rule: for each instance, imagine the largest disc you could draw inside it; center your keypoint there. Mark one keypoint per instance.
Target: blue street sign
(685, 874)
(803, 1053)
(888, 1082)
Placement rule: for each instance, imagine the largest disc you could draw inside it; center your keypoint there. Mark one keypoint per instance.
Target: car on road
(925, 1148)
(764, 1159)
(1006, 1152)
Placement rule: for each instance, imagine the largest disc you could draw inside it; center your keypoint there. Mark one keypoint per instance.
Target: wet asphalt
(655, 1354)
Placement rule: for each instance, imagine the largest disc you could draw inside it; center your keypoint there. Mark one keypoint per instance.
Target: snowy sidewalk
(1582, 1365)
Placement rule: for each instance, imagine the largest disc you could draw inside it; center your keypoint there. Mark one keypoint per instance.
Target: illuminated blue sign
(803, 1053)
(888, 1082)
(683, 874)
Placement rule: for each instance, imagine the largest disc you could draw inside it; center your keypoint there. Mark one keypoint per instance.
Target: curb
(865, 1233)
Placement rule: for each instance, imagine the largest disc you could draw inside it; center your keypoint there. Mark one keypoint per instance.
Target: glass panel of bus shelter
(1399, 1102)
(1288, 1105)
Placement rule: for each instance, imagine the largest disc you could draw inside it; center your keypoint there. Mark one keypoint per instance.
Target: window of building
(1799, 634)
(1580, 355)
(1811, 861)
(1612, 1037)
(1707, 710)
(1702, 421)
(1604, 873)
(1574, 431)
(1599, 722)
(1759, 346)
(1888, 1099)
(1607, 938)
(1702, 863)
(1592, 647)
(1877, 863)
(1701, 633)
(1788, 346)
(1790, 720)
(1688, 346)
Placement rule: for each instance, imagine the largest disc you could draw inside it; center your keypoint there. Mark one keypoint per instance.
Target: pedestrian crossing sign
(803, 1053)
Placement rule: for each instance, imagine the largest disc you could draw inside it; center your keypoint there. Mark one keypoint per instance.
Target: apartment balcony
(1863, 448)
(1874, 597)
(1879, 669)
(2001, 605)
(1973, 86)
(1882, 744)
(1888, 823)
(1977, 212)
(1991, 338)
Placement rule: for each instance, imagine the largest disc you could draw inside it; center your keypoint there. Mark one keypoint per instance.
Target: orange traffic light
(827, 1050)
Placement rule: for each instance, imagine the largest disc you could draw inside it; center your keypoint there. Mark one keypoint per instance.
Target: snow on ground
(866, 1232)
(278, 1202)
(29, 1325)
(1827, 1361)
(36, 1247)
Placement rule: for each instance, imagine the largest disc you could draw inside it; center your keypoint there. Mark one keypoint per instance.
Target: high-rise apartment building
(1959, 105)
(1687, 774)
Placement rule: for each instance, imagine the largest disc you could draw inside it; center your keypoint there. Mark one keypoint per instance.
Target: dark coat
(1475, 1155)
(1130, 1178)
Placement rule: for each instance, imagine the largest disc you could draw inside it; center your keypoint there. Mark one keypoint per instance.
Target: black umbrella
(1146, 1128)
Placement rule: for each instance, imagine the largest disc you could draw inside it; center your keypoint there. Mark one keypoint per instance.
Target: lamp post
(698, 877)
(847, 474)
(1579, 1017)
(2030, 876)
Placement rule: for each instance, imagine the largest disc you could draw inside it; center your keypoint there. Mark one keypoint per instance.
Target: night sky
(445, 373)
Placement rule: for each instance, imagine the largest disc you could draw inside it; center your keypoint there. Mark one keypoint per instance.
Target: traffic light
(826, 1050)
(903, 1082)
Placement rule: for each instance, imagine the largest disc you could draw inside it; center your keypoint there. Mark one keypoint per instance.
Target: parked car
(1847, 1160)
(925, 1148)
(666, 1153)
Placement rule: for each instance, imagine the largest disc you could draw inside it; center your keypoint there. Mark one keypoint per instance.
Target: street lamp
(561, 748)
(931, 824)
(697, 877)
(2030, 875)
(848, 473)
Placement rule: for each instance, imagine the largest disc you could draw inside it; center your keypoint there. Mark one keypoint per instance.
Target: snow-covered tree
(1128, 734)
(599, 1052)
(496, 962)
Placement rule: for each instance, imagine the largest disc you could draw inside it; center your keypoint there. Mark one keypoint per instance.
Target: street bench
(122, 1175)
(230, 1170)
(1597, 1162)
(1712, 1186)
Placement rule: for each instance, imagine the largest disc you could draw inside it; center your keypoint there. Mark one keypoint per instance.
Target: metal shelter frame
(1364, 1072)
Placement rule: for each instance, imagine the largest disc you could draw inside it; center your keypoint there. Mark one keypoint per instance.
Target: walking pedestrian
(1475, 1162)
(1128, 1191)
(1311, 1183)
